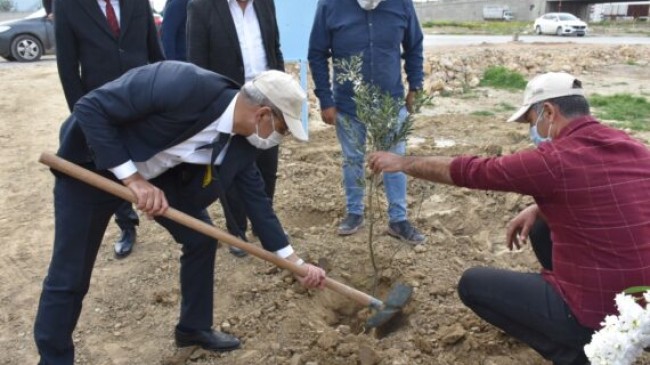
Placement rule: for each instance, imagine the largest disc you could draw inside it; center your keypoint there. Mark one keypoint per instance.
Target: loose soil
(132, 307)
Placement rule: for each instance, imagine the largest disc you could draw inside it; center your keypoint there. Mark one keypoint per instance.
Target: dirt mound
(129, 314)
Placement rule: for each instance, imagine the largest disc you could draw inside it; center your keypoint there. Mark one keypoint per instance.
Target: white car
(560, 24)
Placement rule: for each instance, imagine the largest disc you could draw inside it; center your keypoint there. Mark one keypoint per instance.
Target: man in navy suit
(97, 41)
(149, 129)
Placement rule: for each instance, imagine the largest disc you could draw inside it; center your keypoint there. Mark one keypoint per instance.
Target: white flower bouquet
(622, 338)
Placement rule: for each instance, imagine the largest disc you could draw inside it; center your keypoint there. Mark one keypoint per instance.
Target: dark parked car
(27, 39)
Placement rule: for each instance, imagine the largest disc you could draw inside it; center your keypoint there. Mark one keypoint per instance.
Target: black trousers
(527, 307)
(126, 217)
(267, 163)
(81, 216)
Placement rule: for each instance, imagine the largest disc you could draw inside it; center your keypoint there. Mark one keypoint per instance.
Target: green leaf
(636, 289)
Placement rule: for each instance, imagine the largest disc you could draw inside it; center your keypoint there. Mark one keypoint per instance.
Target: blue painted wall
(295, 18)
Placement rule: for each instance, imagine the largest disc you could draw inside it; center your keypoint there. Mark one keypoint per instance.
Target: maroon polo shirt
(592, 183)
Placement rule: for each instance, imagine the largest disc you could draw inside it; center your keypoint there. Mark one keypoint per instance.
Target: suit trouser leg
(182, 187)
(238, 222)
(540, 239)
(126, 217)
(528, 308)
(267, 163)
(81, 216)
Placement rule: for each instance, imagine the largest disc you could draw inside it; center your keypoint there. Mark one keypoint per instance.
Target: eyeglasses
(529, 117)
(284, 132)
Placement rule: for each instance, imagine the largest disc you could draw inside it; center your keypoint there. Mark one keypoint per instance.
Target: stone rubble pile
(451, 71)
(458, 70)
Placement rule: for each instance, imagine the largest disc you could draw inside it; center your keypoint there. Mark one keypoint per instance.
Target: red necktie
(112, 19)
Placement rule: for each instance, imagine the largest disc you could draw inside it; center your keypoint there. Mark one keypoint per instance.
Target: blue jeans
(353, 146)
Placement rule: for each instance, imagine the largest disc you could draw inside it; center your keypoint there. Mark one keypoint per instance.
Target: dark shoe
(237, 252)
(209, 339)
(404, 231)
(124, 246)
(350, 225)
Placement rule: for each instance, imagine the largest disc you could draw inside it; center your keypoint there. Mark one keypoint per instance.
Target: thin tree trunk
(371, 226)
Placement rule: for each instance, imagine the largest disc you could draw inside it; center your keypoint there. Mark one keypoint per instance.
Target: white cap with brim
(286, 94)
(544, 87)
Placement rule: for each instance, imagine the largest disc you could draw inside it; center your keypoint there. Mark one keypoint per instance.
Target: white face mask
(369, 4)
(271, 141)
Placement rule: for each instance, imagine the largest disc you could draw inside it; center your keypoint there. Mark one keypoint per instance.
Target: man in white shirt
(238, 39)
(177, 135)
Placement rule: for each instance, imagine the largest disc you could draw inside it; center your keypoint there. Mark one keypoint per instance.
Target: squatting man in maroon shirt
(589, 228)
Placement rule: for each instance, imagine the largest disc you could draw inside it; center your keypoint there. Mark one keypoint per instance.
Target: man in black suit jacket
(214, 43)
(90, 54)
(149, 129)
(47, 5)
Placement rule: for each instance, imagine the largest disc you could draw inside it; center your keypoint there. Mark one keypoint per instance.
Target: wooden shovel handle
(125, 193)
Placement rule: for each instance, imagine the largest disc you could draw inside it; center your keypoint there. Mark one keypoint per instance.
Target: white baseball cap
(544, 87)
(286, 94)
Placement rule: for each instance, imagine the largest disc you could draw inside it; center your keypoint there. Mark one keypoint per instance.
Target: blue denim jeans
(353, 146)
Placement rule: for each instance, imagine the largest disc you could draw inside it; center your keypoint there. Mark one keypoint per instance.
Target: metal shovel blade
(395, 302)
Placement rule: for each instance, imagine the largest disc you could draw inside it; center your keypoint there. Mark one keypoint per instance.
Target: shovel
(385, 311)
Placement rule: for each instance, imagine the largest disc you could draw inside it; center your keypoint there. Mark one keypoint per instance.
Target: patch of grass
(446, 94)
(614, 27)
(500, 77)
(629, 111)
(469, 95)
(621, 83)
(480, 27)
(482, 113)
(506, 107)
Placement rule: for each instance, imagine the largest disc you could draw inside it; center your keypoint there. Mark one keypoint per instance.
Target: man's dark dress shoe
(208, 339)
(238, 252)
(124, 246)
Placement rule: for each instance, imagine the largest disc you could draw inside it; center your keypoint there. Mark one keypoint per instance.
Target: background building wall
(523, 10)
(472, 10)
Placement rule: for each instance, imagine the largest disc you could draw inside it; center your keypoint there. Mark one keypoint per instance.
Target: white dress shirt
(187, 151)
(250, 38)
(116, 7)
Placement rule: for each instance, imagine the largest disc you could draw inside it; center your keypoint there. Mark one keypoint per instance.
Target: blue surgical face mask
(534, 132)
